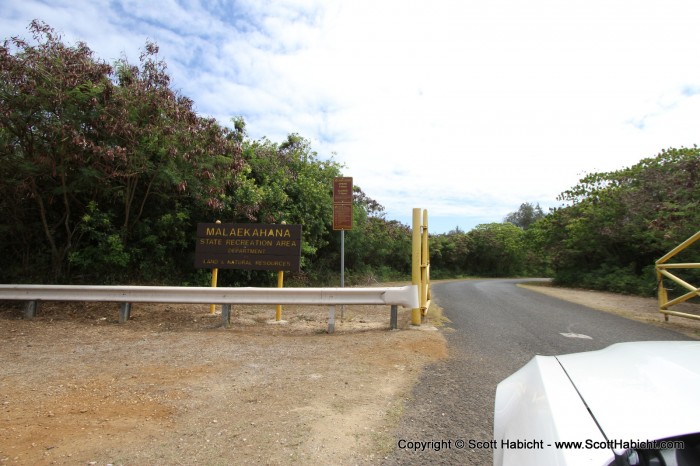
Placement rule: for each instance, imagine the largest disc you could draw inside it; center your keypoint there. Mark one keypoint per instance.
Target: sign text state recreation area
(250, 246)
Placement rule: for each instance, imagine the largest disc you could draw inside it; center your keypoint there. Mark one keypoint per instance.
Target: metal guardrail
(406, 296)
(661, 272)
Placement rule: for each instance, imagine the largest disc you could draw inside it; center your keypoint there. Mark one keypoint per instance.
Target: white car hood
(641, 390)
(539, 403)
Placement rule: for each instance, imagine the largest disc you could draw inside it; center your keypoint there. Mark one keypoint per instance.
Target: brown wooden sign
(342, 190)
(342, 203)
(342, 216)
(249, 246)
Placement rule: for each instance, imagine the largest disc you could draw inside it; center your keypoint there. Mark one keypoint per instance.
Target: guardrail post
(124, 312)
(394, 320)
(226, 315)
(30, 309)
(331, 319)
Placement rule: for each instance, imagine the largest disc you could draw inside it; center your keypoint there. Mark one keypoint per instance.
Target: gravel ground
(172, 386)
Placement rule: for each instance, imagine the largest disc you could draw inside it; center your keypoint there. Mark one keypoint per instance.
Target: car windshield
(677, 451)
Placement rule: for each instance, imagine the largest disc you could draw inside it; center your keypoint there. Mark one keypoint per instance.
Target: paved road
(496, 327)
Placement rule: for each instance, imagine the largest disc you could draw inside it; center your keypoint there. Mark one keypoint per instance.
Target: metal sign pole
(342, 270)
(342, 219)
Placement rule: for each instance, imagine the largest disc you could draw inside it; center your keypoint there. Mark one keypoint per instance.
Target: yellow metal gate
(662, 271)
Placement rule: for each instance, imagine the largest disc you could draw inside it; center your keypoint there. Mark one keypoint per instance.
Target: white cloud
(465, 108)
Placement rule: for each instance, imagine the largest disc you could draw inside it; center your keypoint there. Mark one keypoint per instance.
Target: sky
(464, 108)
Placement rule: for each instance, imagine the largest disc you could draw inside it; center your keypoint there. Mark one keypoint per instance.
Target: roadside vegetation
(607, 235)
(105, 171)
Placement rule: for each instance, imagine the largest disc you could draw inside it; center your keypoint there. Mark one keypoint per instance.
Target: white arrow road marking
(576, 335)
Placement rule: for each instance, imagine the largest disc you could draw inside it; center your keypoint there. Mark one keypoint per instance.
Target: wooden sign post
(342, 218)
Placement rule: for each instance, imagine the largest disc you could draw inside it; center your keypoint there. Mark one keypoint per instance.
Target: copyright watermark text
(531, 444)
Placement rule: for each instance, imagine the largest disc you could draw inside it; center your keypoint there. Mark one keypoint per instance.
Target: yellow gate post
(280, 284)
(416, 262)
(662, 294)
(214, 280)
(424, 267)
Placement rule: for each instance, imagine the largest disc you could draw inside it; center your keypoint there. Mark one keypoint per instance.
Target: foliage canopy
(619, 223)
(105, 172)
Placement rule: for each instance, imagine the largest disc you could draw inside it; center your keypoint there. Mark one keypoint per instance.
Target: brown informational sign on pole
(342, 203)
(249, 246)
(342, 217)
(342, 190)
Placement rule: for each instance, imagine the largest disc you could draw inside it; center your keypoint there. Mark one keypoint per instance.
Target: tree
(526, 215)
(98, 158)
(618, 223)
(288, 182)
(51, 99)
(496, 250)
(450, 254)
(377, 247)
(163, 147)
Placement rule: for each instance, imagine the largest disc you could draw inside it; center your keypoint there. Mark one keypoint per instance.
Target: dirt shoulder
(632, 307)
(172, 386)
